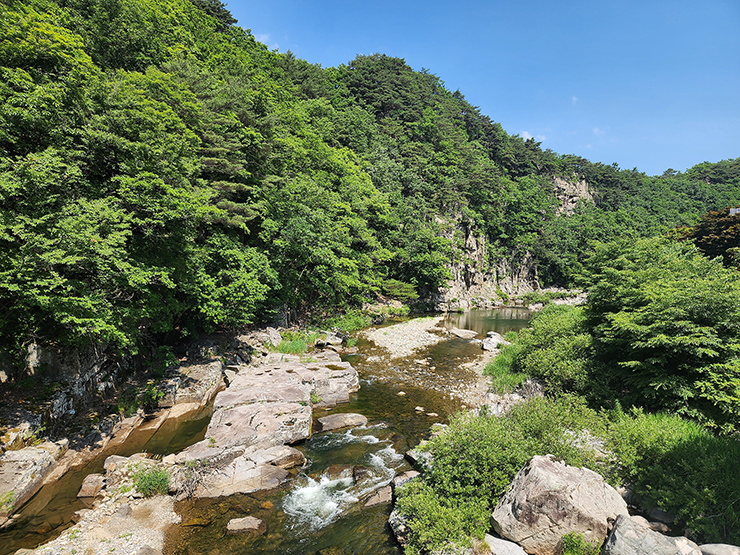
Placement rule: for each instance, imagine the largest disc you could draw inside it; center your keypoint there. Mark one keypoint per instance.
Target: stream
(321, 509)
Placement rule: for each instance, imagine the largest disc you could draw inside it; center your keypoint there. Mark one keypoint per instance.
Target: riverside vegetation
(164, 174)
(660, 334)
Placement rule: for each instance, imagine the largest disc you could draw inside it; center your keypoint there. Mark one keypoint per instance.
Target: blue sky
(650, 84)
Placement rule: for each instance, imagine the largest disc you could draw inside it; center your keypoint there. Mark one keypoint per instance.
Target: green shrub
(683, 469)
(475, 460)
(350, 321)
(152, 481)
(575, 544)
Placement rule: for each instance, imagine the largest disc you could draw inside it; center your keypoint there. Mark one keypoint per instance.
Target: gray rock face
(341, 420)
(719, 549)
(548, 499)
(502, 547)
(401, 479)
(22, 472)
(248, 524)
(630, 538)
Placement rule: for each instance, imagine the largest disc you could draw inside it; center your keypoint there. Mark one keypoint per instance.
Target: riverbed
(413, 375)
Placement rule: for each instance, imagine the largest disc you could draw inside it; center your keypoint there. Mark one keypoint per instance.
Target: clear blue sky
(652, 84)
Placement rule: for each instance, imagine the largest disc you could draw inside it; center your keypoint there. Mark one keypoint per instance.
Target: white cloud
(599, 132)
(540, 138)
(265, 39)
(574, 99)
(526, 135)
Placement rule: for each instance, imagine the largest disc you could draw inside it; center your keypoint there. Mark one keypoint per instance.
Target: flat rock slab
(283, 456)
(246, 525)
(463, 334)
(22, 472)
(630, 538)
(338, 421)
(548, 499)
(241, 476)
(383, 496)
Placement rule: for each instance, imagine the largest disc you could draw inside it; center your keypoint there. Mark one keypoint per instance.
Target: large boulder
(548, 499)
(463, 334)
(497, 546)
(719, 549)
(628, 537)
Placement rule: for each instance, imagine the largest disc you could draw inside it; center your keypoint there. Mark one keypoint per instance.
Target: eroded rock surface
(548, 499)
(630, 538)
(339, 421)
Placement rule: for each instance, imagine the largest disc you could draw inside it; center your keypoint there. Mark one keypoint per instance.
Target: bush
(152, 481)
(682, 468)
(476, 458)
(350, 321)
(575, 544)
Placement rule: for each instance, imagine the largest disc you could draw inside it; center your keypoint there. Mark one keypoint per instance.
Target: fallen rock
(502, 547)
(382, 496)
(341, 420)
(248, 525)
(548, 499)
(629, 538)
(91, 485)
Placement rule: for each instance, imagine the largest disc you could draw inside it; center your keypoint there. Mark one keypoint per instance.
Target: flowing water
(321, 508)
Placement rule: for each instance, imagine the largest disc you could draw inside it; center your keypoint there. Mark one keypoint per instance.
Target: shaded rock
(502, 547)
(337, 472)
(246, 525)
(382, 496)
(629, 538)
(419, 458)
(398, 526)
(361, 474)
(91, 485)
(548, 499)
(338, 421)
(719, 549)
(463, 334)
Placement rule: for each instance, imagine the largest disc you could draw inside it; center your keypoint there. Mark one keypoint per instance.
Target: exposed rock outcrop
(548, 499)
(570, 192)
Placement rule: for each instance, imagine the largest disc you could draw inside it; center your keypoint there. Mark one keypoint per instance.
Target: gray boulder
(91, 485)
(548, 499)
(338, 421)
(630, 538)
(382, 496)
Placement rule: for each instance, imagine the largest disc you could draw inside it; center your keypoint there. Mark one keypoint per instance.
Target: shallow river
(321, 509)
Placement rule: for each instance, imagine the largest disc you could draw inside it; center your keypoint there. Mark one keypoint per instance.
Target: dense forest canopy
(162, 172)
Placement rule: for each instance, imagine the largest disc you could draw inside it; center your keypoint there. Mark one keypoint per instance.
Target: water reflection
(499, 320)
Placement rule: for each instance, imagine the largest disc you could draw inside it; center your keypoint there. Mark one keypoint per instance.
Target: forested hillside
(162, 173)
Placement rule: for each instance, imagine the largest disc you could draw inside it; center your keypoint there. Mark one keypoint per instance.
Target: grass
(504, 379)
(152, 481)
